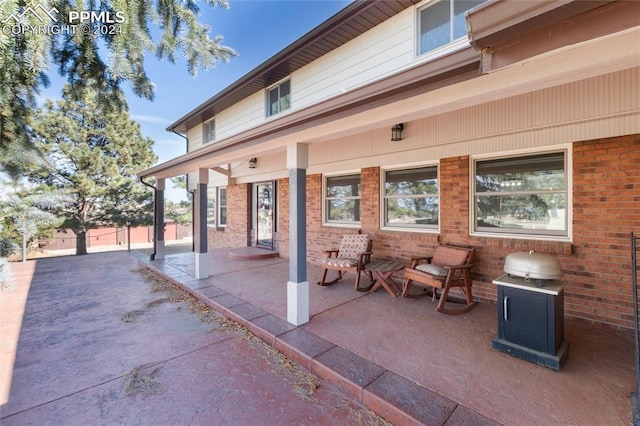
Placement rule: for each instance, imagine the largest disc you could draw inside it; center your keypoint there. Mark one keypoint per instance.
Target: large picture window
(442, 22)
(411, 198)
(342, 199)
(522, 195)
(279, 98)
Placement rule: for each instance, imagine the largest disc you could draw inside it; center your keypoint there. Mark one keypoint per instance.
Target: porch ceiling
(380, 104)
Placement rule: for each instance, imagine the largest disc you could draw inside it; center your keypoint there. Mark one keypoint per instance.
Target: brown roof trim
(350, 22)
(498, 21)
(458, 66)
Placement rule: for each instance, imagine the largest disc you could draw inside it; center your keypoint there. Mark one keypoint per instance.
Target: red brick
(606, 195)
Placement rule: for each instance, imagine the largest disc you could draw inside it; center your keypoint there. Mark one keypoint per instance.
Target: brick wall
(236, 233)
(606, 209)
(282, 243)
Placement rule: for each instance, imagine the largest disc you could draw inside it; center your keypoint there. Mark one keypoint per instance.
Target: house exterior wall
(596, 264)
(194, 138)
(597, 107)
(606, 204)
(282, 217)
(383, 50)
(244, 115)
(236, 233)
(597, 120)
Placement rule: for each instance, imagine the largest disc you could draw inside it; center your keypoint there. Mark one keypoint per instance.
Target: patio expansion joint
(275, 262)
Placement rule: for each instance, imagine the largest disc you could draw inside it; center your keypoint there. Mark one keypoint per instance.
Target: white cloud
(150, 119)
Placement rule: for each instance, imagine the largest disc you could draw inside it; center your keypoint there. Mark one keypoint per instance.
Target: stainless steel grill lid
(530, 264)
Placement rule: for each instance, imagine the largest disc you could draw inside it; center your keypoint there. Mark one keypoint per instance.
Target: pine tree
(25, 55)
(27, 215)
(93, 153)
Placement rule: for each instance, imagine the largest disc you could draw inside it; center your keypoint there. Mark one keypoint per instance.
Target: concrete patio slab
(78, 326)
(450, 356)
(398, 356)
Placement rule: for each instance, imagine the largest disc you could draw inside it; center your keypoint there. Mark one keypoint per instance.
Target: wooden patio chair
(448, 267)
(353, 254)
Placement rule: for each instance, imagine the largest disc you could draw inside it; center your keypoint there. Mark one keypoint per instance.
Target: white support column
(298, 285)
(159, 228)
(200, 219)
(298, 302)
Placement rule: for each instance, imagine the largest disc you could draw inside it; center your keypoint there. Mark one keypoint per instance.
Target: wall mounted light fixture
(252, 163)
(396, 132)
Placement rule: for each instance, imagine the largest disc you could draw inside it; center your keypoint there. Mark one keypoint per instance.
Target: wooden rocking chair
(353, 254)
(448, 267)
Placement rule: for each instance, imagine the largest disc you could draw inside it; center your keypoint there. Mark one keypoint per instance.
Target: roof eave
(419, 78)
(351, 11)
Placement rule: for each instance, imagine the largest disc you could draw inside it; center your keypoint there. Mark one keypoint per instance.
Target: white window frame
(205, 132)
(325, 199)
(383, 205)
(212, 190)
(219, 207)
(447, 48)
(215, 191)
(528, 235)
(268, 90)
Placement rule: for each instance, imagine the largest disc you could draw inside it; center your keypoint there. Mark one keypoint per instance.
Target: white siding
(383, 50)
(269, 167)
(244, 115)
(194, 137)
(603, 106)
(217, 179)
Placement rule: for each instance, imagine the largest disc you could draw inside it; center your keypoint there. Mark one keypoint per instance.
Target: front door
(265, 214)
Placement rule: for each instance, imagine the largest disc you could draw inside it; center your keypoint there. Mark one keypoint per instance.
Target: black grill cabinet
(531, 320)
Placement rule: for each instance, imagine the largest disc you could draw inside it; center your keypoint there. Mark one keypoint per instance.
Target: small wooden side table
(382, 270)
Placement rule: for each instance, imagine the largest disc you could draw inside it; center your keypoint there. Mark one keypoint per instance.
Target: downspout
(155, 217)
(193, 219)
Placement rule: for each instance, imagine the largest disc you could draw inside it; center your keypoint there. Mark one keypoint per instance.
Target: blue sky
(256, 29)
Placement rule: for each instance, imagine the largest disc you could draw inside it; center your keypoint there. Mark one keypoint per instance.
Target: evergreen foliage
(94, 153)
(25, 56)
(180, 213)
(27, 217)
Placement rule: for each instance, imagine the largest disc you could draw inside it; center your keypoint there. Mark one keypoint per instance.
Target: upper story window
(411, 198)
(279, 98)
(442, 22)
(342, 199)
(209, 131)
(522, 195)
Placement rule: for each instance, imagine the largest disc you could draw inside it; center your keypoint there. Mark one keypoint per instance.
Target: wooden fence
(110, 236)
